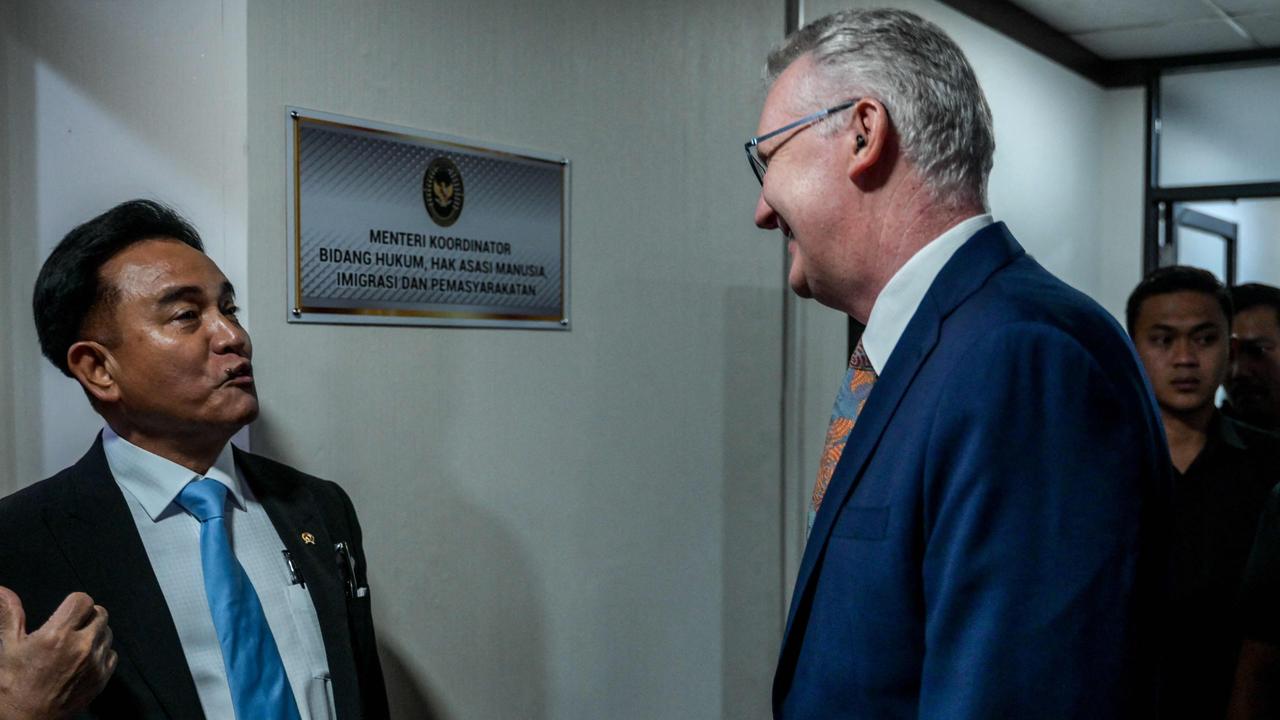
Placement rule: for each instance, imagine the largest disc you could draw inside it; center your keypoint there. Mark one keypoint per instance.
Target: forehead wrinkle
(131, 277)
(1268, 318)
(179, 293)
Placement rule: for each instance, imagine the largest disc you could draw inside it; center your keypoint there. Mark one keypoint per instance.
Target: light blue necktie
(255, 672)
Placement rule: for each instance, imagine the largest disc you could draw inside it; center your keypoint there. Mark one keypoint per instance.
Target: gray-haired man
(988, 535)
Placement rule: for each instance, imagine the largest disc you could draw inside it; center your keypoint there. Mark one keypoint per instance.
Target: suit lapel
(294, 510)
(97, 535)
(916, 342)
(971, 266)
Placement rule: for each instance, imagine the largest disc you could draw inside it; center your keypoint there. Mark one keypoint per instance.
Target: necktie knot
(860, 361)
(204, 498)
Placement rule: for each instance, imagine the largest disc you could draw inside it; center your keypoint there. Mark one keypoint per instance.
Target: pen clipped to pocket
(295, 577)
(347, 572)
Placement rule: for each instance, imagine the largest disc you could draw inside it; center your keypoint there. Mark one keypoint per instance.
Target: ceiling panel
(1081, 16)
(1186, 38)
(1237, 7)
(1264, 28)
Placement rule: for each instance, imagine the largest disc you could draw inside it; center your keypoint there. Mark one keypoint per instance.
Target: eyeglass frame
(760, 167)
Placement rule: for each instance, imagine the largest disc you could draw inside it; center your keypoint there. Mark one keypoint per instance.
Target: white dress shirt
(902, 295)
(171, 537)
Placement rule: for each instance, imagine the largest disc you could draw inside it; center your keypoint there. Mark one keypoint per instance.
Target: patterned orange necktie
(858, 381)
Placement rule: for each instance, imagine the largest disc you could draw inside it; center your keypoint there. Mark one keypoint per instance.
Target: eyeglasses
(759, 166)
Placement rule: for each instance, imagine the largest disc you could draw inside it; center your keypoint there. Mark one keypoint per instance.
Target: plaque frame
(297, 311)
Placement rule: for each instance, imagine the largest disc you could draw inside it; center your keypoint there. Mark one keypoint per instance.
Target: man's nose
(229, 336)
(1242, 366)
(1184, 353)
(766, 218)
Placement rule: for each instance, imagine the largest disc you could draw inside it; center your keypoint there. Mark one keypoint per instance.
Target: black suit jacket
(73, 532)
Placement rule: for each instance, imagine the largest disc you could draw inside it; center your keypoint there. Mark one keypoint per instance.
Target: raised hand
(56, 671)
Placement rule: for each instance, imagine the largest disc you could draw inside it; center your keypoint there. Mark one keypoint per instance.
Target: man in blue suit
(990, 527)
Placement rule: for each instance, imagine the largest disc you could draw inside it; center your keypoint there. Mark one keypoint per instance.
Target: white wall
(107, 102)
(1120, 185)
(8, 415)
(571, 524)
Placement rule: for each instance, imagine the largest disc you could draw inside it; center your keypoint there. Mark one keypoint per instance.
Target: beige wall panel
(7, 378)
(577, 524)
(105, 102)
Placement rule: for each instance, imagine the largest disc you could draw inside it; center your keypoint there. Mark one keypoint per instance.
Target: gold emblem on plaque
(308, 538)
(442, 191)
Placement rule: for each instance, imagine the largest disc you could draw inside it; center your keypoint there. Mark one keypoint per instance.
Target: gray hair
(921, 77)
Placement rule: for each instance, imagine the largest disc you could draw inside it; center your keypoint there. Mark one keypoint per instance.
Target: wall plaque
(395, 226)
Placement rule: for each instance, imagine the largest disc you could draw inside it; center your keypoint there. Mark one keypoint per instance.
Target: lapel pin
(308, 538)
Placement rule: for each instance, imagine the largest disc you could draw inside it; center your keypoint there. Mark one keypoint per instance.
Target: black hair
(67, 290)
(1250, 295)
(1172, 279)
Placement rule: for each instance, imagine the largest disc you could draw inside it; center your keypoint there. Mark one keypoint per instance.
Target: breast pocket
(862, 523)
(319, 687)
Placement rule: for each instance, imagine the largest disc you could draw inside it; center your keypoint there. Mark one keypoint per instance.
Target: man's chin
(800, 286)
(244, 413)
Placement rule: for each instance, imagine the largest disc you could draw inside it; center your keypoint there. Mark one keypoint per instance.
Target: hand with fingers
(57, 670)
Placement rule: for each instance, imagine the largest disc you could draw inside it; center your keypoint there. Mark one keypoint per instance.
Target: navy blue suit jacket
(994, 541)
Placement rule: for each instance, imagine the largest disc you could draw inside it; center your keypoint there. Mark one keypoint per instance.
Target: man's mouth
(241, 374)
(1186, 383)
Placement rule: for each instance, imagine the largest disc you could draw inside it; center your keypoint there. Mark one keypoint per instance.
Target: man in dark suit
(989, 528)
(235, 585)
(1180, 321)
(1253, 383)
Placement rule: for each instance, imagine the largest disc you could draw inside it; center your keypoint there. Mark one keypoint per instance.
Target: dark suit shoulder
(1025, 291)
(30, 499)
(274, 476)
(1023, 295)
(54, 491)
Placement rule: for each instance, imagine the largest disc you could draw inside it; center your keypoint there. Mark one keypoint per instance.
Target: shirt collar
(897, 303)
(155, 481)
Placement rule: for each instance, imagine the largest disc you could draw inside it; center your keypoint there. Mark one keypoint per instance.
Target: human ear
(870, 127)
(92, 365)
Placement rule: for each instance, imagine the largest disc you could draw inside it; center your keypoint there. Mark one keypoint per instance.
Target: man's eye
(186, 315)
(232, 310)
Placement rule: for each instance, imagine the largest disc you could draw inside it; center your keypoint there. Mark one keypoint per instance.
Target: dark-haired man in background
(1253, 385)
(273, 625)
(1256, 694)
(1180, 321)
(1253, 394)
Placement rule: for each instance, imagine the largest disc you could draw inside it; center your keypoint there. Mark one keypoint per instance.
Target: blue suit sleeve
(1038, 482)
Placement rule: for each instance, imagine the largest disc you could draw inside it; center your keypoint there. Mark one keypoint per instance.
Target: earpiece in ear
(861, 141)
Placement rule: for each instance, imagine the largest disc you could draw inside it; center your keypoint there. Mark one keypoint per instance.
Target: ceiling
(1130, 29)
